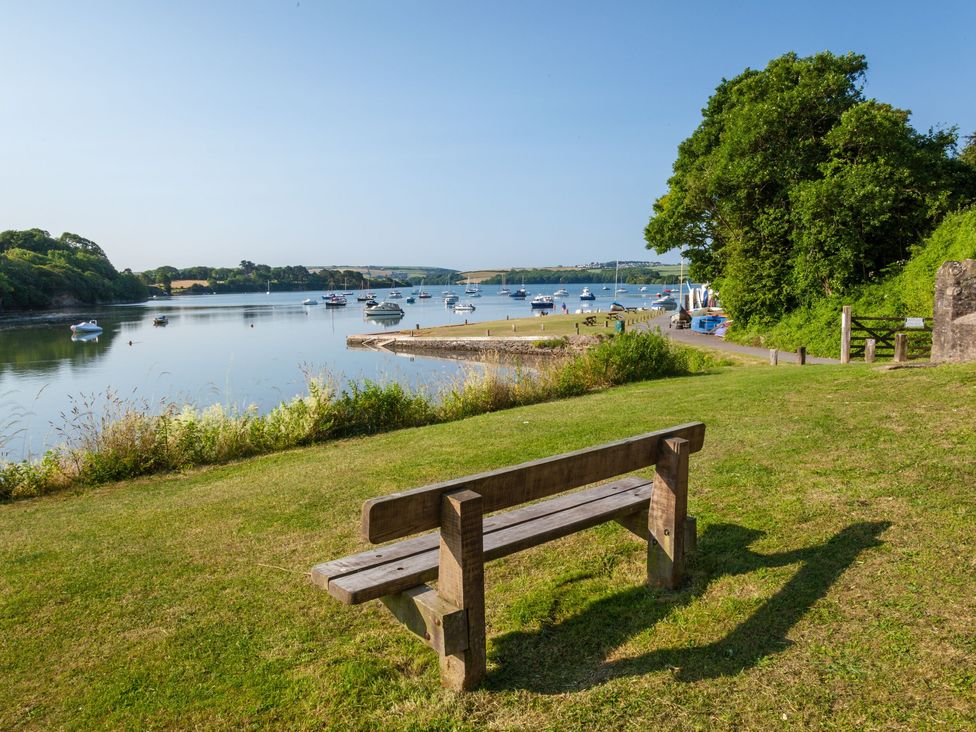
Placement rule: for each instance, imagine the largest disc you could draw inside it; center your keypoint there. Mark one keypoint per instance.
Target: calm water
(229, 349)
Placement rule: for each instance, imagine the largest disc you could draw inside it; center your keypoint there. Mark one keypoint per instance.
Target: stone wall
(954, 331)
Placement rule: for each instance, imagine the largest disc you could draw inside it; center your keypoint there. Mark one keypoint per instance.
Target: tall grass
(127, 439)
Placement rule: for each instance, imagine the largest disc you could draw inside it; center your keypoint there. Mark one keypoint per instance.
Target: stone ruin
(954, 331)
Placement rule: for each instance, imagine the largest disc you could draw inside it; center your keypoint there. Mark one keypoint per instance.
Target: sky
(456, 134)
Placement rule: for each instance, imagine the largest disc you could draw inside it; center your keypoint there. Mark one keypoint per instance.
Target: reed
(126, 439)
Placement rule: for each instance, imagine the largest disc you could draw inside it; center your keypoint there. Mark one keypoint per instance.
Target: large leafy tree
(794, 185)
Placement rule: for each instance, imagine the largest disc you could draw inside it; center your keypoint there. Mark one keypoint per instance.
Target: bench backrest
(401, 514)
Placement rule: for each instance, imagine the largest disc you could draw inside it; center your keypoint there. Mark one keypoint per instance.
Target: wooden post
(901, 347)
(801, 355)
(869, 346)
(461, 581)
(845, 334)
(666, 515)
(488, 331)
(513, 327)
(577, 329)
(773, 357)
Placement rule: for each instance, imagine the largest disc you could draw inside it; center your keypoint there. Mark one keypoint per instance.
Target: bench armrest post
(667, 514)
(461, 581)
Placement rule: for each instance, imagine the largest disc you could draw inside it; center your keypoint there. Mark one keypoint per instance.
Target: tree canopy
(794, 186)
(38, 271)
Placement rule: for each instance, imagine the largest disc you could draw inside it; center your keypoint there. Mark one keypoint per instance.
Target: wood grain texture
(461, 582)
(402, 514)
(666, 516)
(326, 571)
(515, 534)
(442, 625)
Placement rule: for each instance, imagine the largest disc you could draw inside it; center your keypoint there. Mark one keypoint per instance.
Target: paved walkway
(701, 340)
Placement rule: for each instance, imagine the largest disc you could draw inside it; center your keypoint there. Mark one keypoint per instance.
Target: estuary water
(236, 350)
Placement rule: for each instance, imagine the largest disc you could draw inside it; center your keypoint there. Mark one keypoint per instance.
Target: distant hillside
(38, 271)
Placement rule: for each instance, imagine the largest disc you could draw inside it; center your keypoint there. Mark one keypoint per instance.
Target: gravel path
(719, 344)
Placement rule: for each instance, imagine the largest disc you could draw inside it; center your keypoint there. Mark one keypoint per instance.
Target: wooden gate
(857, 329)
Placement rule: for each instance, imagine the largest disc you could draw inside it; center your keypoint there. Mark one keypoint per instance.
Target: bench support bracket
(461, 582)
(666, 516)
(442, 625)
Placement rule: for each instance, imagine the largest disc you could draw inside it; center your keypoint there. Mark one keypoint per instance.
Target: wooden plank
(401, 514)
(442, 625)
(845, 334)
(326, 571)
(901, 348)
(869, 351)
(666, 517)
(462, 583)
(397, 576)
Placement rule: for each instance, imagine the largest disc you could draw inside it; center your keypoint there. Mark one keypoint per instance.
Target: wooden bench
(451, 618)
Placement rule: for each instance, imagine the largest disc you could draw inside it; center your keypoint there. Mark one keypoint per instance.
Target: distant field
(184, 284)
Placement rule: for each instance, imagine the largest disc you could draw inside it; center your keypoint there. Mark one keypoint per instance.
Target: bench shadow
(572, 654)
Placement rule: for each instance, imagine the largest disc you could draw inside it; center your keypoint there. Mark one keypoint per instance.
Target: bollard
(901, 347)
(488, 331)
(577, 329)
(513, 327)
(542, 326)
(773, 357)
(869, 346)
(801, 355)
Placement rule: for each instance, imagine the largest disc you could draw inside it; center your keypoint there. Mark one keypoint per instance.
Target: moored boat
(542, 302)
(90, 326)
(161, 320)
(587, 295)
(385, 309)
(464, 307)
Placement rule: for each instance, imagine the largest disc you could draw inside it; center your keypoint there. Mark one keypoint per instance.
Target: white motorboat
(309, 301)
(561, 292)
(542, 302)
(335, 301)
(463, 307)
(395, 295)
(90, 326)
(450, 298)
(587, 295)
(385, 309)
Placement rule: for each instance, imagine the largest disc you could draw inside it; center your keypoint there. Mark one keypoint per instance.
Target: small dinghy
(90, 326)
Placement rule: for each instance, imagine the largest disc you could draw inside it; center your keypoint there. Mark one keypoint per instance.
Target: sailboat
(423, 295)
(616, 274)
(269, 288)
(504, 290)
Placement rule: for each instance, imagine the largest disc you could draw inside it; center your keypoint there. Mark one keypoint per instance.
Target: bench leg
(667, 514)
(461, 581)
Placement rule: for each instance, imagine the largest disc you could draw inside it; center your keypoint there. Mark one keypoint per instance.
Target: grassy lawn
(833, 586)
(554, 325)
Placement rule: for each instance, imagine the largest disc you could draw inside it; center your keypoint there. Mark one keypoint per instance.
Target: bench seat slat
(402, 514)
(384, 579)
(323, 573)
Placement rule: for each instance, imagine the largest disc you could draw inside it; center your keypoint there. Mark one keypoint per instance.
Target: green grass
(833, 587)
(550, 326)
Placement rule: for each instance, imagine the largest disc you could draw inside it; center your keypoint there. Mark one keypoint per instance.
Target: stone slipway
(521, 345)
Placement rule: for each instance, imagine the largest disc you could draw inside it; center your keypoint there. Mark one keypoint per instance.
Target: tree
(968, 154)
(783, 192)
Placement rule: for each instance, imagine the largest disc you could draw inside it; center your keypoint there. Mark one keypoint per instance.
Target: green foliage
(37, 271)
(794, 187)
(910, 292)
(129, 440)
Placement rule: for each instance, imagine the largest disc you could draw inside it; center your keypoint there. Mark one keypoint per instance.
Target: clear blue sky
(457, 134)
